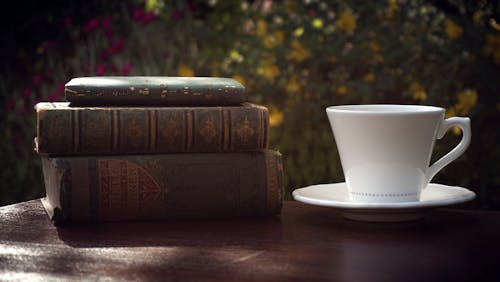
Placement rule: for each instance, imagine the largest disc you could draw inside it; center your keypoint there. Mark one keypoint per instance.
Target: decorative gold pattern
(125, 189)
(245, 131)
(164, 91)
(69, 130)
(208, 131)
(169, 132)
(144, 91)
(134, 130)
(95, 131)
(274, 188)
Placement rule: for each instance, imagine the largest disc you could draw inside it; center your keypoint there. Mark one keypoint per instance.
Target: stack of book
(131, 148)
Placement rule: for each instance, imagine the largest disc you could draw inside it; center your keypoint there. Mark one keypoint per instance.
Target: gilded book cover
(110, 188)
(66, 130)
(154, 90)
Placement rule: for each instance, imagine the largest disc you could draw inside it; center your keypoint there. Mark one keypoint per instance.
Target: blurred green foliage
(296, 57)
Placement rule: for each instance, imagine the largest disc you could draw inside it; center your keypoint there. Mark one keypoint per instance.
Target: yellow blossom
(154, 5)
(369, 77)
(293, 85)
(185, 70)
(236, 56)
(275, 117)
(467, 99)
(261, 29)
(375, 46)
(476, 16)
(494, 24)
(317, 23)
(378, 58)
(492, 47)
(391, 9)
(239, 78)
(452, 29)
(298, 52)
(214, 69)
(269, 69)
(274, 39)
(342, 90)
(298, 32)
(346, 22)
(418, 92)
(290, 6)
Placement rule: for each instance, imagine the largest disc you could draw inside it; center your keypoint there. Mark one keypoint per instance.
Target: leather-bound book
(154, 91)
(142, 187)
(66, 130)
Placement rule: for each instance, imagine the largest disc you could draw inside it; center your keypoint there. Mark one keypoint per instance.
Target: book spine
(112, 188)
(152, 130)
(217, 93)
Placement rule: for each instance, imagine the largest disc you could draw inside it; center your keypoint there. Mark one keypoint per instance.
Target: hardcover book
(66, 130)
(133, 187)
(154, 90)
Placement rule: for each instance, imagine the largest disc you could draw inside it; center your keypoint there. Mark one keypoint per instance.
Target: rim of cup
(374, 109)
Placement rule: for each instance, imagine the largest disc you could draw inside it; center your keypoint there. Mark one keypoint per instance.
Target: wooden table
(305, 243)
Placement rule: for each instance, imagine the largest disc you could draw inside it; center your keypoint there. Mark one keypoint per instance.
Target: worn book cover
(154, 90)
(66, 130)
(131, 187)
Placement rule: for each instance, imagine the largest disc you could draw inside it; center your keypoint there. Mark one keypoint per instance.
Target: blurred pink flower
(191, 7)
(177, 15)
(109, 34)
(106, 54)
(138, 14)
(10, 105)
(148, 17)
(37, 79)
(67, 21)
(48, 73)
(115, 48)
(27, 92)
(312, 13)
(90, 26)
(86, 67)
(266, 6)
(106, 22)
(117, 45)
(101, 70)
(114, 69)
(127, 68)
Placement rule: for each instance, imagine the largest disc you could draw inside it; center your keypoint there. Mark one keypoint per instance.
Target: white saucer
(335, 195)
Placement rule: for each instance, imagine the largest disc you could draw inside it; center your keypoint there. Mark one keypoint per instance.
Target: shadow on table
(294, 226)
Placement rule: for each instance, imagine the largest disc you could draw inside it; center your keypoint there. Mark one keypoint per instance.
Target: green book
(66, 130)
(154, 91)
(133, 187)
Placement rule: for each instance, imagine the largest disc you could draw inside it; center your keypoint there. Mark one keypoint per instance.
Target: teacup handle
(464, 124)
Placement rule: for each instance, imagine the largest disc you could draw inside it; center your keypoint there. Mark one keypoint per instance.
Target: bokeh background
(296, 57)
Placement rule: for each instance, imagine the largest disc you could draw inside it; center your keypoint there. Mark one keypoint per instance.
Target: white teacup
(385, 150)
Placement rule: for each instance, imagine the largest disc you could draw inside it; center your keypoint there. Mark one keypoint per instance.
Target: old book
(154, 90)
(62, 129)
(129, 187)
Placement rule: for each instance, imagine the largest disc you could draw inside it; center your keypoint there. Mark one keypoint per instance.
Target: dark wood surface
(305, 243)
